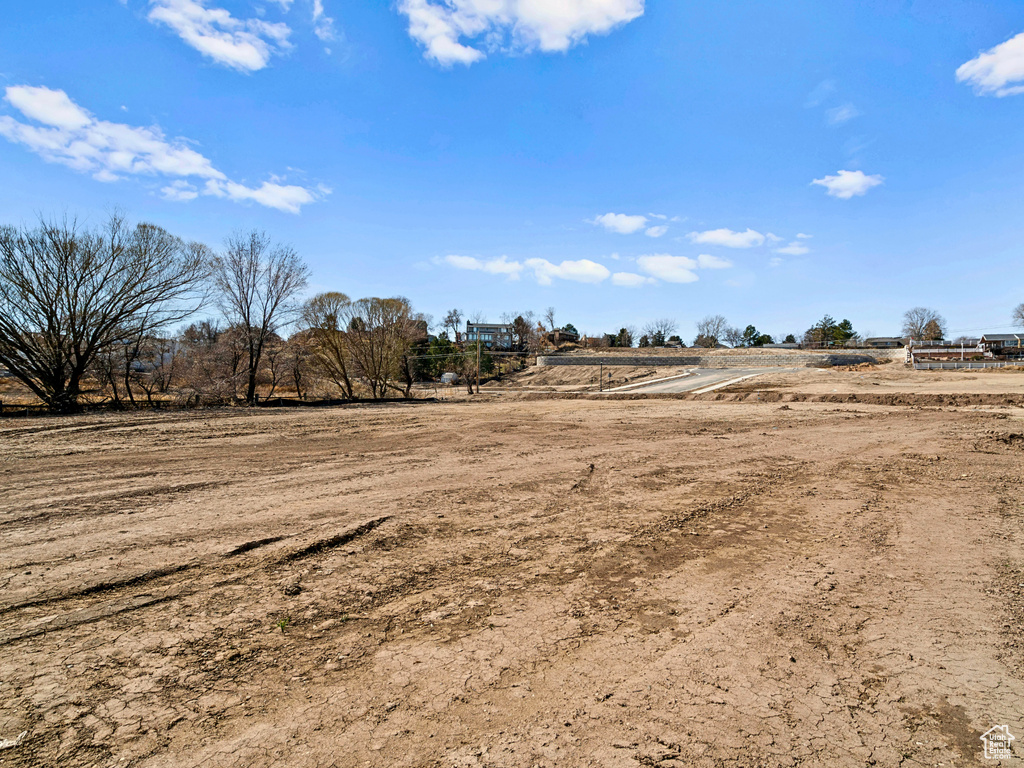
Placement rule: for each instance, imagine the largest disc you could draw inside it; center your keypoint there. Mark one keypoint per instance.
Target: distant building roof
(502, 326)
(1014, 337)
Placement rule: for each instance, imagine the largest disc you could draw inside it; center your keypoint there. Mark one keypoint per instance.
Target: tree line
(919, 324)
(79, 303)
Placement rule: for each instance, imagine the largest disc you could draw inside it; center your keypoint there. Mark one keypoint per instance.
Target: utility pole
(600, 378)
(478, 364)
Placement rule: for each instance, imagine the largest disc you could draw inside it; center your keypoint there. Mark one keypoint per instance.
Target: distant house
(561, 336)
(883, 342)
(1003, 344)
(490, 335)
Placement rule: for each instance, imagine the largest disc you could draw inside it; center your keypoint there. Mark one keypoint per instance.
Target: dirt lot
(509, 583)
(891, 378)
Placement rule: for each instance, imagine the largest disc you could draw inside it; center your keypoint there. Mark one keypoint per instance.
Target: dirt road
(571, 583)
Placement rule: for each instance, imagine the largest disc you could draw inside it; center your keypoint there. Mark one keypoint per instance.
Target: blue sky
(620, 160)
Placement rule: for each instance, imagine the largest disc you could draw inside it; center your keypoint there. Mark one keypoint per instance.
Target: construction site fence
(966, 364)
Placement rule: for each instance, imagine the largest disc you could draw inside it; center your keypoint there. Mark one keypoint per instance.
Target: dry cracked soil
(513, 584)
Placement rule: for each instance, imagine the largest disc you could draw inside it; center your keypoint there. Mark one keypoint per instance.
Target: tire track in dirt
(171, 591)
(99, 504)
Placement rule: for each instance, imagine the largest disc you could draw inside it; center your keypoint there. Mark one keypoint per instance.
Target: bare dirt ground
(893, 377)
(890, 383)
(506, 583)
(573, 378)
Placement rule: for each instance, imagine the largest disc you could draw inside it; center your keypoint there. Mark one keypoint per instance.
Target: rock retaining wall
(709, 361)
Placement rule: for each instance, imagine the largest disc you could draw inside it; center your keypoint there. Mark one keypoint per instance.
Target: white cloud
(323, 25)
(704, 261)
(772, 238)
(245, 45)
(656, 231)
(847, 184)
(511, 25)
(821, 92)
(499, 266)
(775, 261)
(620, 222)
(660, 216)
(284, 197)
(95, 146)
(671, 269)
(796, 248)
(658, 266)
(70, 135)
(996, 71)
(728, 238)
(631, 279)
(48, 107)
(438, 29)
(544, 271)
(580, 271)
(180, 191)
(841, 114)
(802, 236)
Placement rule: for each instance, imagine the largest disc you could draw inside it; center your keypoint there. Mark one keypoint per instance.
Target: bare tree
(453, 322)
(300, 355)
(127, 363)
(1018, 315)
(325, 318)
(163, 366)
(658, 331)
(68, 295)
(106, 368)
(275, 368)
(664, 325)
(549, 318)
(710, 331)
(733, 336)
(380, 333)
(922, 323)
(209, 362)
(258, 284)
